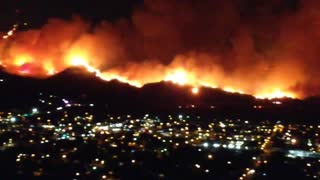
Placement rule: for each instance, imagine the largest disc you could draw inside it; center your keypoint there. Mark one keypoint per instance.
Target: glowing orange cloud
(184, 45)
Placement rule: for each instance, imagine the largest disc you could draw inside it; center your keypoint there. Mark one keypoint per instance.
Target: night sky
(37, 12)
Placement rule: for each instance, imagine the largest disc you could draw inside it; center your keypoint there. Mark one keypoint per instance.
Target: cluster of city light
(277, 128)
(230, 145)
(173, 132)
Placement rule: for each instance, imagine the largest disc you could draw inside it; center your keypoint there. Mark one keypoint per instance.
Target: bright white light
(205, 144)
(35, 110)
(116, 129)
(118, 125)
(13, 119)
(48, 126)
(216, 145)
(231, 146)
(65, 101)
(195, 90)
(222, 125)
(252, 171)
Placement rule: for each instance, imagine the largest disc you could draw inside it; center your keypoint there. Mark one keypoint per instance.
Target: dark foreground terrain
(74, 126)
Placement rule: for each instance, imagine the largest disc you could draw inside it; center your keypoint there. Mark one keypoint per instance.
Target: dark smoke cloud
(252, 45)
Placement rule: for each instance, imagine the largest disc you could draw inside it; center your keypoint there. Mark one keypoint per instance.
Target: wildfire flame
(178, 76)
(78, 60)
(199, 44)
(276, 94)
(26, 65)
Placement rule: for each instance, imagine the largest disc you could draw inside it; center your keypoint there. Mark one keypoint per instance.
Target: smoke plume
(265, 48)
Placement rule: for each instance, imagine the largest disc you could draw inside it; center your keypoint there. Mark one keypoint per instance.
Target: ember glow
(79, 61)
(214, 49)
(179, 77)
(25, 64)
(195, 90)
(276, 94)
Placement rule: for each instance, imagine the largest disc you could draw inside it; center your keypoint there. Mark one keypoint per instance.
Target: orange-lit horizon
(147, 50)
(177, 76)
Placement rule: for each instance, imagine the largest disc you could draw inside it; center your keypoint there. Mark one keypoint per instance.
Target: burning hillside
(212, 44)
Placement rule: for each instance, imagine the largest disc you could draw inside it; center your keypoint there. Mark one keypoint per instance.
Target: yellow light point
(195, 90)
(293, 141)
(178, 77)
(10, 33)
